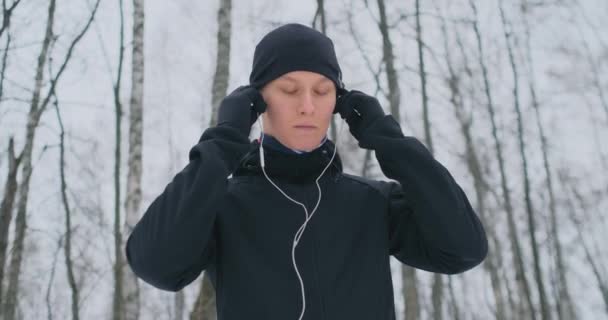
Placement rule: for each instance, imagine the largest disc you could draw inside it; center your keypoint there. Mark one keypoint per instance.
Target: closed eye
(288, 91)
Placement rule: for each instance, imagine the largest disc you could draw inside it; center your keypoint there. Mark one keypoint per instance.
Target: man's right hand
(241, 108)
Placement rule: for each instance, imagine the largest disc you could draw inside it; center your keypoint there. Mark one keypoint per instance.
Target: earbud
(262, 143)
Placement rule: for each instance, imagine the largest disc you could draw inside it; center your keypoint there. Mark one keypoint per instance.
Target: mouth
(305, 127)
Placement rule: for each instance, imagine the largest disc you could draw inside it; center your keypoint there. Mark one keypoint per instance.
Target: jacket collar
(290, 165)
(274, 143)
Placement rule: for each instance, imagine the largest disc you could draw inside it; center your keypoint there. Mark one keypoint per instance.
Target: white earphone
(303, 227)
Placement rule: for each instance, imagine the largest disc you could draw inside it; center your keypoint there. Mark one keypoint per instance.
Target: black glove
(359, 110)
(241, 108)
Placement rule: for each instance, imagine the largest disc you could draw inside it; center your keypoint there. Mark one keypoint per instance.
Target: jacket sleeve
(174, 241)
(432, 225)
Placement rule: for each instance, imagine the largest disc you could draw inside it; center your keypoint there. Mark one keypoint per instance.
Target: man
(281, 230)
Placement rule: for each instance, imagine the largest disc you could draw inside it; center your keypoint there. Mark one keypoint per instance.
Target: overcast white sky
(180, 61)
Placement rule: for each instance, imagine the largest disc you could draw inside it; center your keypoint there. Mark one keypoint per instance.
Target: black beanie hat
(294, 47)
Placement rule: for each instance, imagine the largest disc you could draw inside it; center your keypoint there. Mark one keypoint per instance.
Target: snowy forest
(100, 102)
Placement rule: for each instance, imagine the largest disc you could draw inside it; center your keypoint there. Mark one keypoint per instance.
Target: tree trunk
(564, 306)
(544, 304)
(367, 157)
(118, 305)
(425, 98)
(595, 76)
(6, 208)
(37, 108)
(437, 296)
(321, 13)
(47, 298)
(473, 164)
(67, 246)
(394, 96)
(205, 308)
(135, 162)
(4, 61)
(602, 283)
(10, 302)
(455, 312)
(437, 287)
(411, 297)
(222, 59)
(179, 304)
(7, 13)
(526, 309)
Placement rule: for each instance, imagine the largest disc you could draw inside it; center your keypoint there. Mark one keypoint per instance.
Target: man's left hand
(359, 110)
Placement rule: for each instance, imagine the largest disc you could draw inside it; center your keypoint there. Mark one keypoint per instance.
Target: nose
(306, 105)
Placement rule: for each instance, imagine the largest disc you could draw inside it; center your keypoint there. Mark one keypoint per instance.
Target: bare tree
(49, 308)
(67, 245)
(454, 85)
(133, 194)
(591, 258)
(410, 292)
(37, 108)
(594, 64)
(454, 80)
(320, 13)
(482, 187)
(222, 65)
(408, 274)
(6, 208)
(565, 307)
(179, 305)
(118, 307)
(437, 290)
(526, 309)
(367, 158)
(375, 71)
(588, 84)
(388, 59)
(544, 304)
(204, 307)
(4, 63)
(9, 303)
(423, 81)
(7, 13)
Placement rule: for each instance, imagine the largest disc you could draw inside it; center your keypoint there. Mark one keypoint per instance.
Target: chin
(305, 142)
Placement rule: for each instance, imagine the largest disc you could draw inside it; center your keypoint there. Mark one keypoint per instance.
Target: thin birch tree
(118, 306)
(38, 105)
(564, 306)
(525, 307)
(67, 244)
(135, 162)
(508, 34)
(204, 307)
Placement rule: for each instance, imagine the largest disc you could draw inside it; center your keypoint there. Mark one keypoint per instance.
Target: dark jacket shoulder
(382, 187)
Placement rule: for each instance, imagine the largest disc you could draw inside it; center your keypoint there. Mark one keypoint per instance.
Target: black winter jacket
(221, 214)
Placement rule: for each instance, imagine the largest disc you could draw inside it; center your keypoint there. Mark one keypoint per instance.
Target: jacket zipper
(311, 201)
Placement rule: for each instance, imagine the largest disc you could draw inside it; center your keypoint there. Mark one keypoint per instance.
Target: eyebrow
(324, 79)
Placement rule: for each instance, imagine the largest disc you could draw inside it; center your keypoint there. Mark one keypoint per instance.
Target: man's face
(300, 105)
